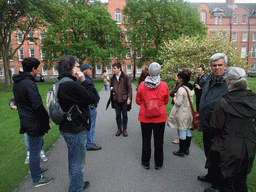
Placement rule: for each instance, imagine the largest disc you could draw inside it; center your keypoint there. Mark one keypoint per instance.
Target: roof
(227, 8)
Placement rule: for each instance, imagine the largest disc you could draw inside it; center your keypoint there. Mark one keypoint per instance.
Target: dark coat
(200, 81)
(34, 119)
(212, 92)
(83, 94)
(234, 135)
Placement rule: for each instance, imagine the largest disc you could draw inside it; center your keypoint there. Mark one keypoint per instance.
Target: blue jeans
(27, 142)
(184, 134)
(90, 134)
(106, 87)
(76, 159)
(121, 109)
(35, 146)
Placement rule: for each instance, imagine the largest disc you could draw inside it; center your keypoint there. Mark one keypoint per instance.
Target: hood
(152, 81)
(244, 102)
(22, 76)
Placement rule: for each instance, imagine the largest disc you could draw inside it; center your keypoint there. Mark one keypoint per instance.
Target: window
(31, 38)
(139, 69)
(41, 37)
(19, 38)
(12, 71)
(128, 36)
(32, 52)
(118, 17)
(108, 69)
(21, 68)
(203, 16)
(216, 20)
(235, 21)
(254, 36)
(234, 36)
(127, 19)
(44, 71)
(243, 52)
(244, 36)
(129, 68)
(129, 53)
(244, 20)
(252, 66)
(253, 52)
(98, 69)
(1, 58)
(55, 70)
(21, 54)
(1, 71)
(221, 20)
(139, 52)
(42, 55)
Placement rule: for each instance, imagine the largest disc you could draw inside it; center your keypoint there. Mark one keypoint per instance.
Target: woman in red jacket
(152, 89)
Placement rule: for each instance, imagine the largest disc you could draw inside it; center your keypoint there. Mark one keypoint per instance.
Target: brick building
(238, 21)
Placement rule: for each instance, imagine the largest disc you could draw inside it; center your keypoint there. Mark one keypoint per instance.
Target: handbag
(153, 107)
(195, 122)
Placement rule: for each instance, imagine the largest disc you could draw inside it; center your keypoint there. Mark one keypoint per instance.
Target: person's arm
(138, 95)
(129, 84)
(178, 98)
(218, 118)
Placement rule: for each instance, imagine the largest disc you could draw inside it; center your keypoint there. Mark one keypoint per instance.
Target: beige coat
(181, 115)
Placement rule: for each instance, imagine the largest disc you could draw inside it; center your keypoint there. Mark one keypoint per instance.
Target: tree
(23, 16)
(152, 22)
(86, 31)
(190, 52)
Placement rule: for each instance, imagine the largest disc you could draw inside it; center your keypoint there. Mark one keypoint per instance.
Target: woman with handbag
(152, 96)
(181, 116)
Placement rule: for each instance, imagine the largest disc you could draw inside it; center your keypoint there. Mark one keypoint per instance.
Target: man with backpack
(73, 129)
(34, 119)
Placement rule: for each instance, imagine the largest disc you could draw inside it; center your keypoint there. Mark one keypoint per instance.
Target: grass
(12, 151)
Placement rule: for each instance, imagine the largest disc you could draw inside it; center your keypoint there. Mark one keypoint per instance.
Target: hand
(128, 101)
(80, 76)
(111, 88)
(14, 107)
(197, 86)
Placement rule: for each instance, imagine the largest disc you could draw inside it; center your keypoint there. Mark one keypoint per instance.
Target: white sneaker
(27, 158)
(43, 157)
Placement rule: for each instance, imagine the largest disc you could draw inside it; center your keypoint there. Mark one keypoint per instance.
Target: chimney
(231, 2)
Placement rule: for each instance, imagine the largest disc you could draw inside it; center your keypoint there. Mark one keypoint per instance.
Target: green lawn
(12, 151)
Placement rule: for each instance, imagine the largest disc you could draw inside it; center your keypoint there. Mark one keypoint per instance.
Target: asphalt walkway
(117, 167)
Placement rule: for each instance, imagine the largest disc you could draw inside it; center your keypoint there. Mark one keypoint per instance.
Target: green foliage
(152, 22)
(86, 31)
(190, 52)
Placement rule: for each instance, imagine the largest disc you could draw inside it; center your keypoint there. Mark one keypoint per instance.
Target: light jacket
(162, 95)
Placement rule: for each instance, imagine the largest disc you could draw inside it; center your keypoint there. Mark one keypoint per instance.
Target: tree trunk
(134, 76)
(7, 70)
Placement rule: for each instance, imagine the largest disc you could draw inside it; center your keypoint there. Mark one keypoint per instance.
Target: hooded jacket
(34, 118)
(233, 146)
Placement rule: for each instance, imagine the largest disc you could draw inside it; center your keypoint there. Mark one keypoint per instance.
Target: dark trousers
(158, 130)
(121, 110)
(207, 137)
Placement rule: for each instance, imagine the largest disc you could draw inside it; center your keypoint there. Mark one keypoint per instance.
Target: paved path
(117, 167)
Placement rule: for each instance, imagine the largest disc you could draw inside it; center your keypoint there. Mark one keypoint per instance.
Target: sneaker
(43, 181)
(27, 158)
(43, 156)
(86, 185)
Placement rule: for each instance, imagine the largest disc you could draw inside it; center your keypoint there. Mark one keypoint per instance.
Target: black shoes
(204, 178)
(210, 189)
(158, 167)
(86, 185)
(145, 166)
(94, 148)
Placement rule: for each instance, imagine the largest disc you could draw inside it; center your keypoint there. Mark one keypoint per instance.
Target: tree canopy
(150, 23)
(86, 31)
(190, 52)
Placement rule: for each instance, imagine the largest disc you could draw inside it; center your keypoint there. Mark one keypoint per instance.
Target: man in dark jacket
(214, 88)
(74, 132)
(34, 119)
(120, 85)
(90, 145)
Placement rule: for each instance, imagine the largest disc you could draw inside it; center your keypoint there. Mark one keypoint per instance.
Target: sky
(221, 1)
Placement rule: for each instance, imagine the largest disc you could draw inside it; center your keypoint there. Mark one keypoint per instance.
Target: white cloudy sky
(221, 1)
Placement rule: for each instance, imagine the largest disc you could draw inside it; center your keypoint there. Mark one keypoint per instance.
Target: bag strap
(157, 93)
(191, 106)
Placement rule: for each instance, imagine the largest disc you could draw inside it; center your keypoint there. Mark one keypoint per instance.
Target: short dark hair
(200, 66)
(118, 65)
(29, 63)
(185, 75)
(66, 64)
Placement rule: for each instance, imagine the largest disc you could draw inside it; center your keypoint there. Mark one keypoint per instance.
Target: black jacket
(83, 94)
(34, 119)
(233, 146)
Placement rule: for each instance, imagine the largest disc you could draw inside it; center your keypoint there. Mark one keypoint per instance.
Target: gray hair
(218, 56)
(154, 69)
(237, 78)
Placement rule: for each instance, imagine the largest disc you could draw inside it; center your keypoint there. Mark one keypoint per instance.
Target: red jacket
(152, 93)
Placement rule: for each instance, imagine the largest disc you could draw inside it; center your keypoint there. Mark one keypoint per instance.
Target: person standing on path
(105, 78)
(150, 89)
(215, 87)
(120, 85)
(90, 145)
(82, 95)
(34, 119)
